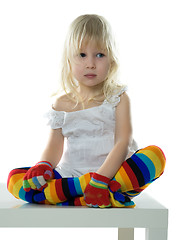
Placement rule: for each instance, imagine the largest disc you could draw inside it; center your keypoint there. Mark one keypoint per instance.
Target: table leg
(156, 233)
(126, 234)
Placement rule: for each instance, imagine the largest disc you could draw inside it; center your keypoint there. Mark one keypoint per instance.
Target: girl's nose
(90, 63)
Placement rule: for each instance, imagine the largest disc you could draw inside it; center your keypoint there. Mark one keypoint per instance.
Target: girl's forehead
(92, 44)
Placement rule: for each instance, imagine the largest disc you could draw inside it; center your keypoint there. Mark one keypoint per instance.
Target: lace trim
(56, 118)
(115, 99)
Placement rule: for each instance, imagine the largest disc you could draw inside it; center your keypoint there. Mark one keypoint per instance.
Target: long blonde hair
(90, 27)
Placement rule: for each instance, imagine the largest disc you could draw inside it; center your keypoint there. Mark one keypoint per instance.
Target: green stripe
(94, 185)
(26, 184)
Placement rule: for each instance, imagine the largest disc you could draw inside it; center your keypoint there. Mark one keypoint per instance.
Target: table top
(17, 213)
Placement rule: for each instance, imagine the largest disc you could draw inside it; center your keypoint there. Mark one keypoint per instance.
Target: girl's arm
(123, 136)
(54, 149)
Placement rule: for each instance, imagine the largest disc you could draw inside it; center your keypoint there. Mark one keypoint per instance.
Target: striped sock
(142, 168)
(135, 174)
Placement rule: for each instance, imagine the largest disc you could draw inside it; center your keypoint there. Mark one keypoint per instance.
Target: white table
(148, 214)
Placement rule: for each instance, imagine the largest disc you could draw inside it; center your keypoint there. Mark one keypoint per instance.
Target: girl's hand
(36, 176)
(96, 193)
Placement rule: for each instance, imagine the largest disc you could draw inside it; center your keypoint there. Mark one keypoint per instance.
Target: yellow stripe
(96, 184)
(33, 186)
(17, 187)
(118, 178)
(155, 159)
(160, 155)
(83, 182)
(14, 181)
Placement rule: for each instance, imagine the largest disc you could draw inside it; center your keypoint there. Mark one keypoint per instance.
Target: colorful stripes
(135, 174)
(60, 190)
(142, 168)
(15, 185)
(98, 184)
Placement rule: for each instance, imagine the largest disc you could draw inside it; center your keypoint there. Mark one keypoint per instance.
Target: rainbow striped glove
(36, 176)
(96, 193)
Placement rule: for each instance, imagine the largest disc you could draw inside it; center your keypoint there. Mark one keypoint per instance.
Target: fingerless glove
(36, 176)
(96, 193)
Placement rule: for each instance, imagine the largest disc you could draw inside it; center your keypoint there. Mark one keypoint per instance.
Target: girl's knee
(157, 156)
(15, 176)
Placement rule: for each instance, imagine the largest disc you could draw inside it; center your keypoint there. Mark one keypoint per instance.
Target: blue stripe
(26, 196)
(72, 188)
(97, 181)
(39, 197)
(29, 196)
(66, 203)
(148, 162)
(143, 168)
(22, 194)
(78, 186)
(59, 204)
(44, 163)
(129, 203)
(57, 175)
(36, 182)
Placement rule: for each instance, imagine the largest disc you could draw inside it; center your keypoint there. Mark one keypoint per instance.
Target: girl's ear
(112, 64)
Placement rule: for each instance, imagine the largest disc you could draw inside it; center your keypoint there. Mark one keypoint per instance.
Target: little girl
(101, 165)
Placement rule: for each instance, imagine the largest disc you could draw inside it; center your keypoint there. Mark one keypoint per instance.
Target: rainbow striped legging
(135, 174)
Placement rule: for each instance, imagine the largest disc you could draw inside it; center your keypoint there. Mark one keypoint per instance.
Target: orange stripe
(13, 180)
(53, 193)
(82, 201)
(126, 184)
(87, 178)
(48, 195)
(46, 202)
(84, 180)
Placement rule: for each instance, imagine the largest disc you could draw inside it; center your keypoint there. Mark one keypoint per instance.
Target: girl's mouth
(90, 75)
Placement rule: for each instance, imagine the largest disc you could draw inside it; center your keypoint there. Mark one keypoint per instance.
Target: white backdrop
(31, 41)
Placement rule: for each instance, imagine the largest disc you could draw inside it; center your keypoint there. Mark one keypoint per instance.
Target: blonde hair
(89, 27)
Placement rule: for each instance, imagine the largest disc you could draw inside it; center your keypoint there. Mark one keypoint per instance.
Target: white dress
(89, 137)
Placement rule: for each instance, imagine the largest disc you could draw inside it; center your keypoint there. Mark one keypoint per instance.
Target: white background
(31, 41)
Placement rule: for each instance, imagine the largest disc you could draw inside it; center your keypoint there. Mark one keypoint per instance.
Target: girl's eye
(82, 55)
(100, 55)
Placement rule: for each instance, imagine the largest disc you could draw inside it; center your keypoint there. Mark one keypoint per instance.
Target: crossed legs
(135, 174)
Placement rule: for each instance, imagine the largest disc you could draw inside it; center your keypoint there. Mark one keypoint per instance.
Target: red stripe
(131, 175)
(59, 190)
(15, 171)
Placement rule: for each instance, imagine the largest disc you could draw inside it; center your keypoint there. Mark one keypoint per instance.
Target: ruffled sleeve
(115, 99)
(55, 118)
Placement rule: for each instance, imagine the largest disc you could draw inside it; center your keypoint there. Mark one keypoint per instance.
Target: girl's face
(91, 65)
